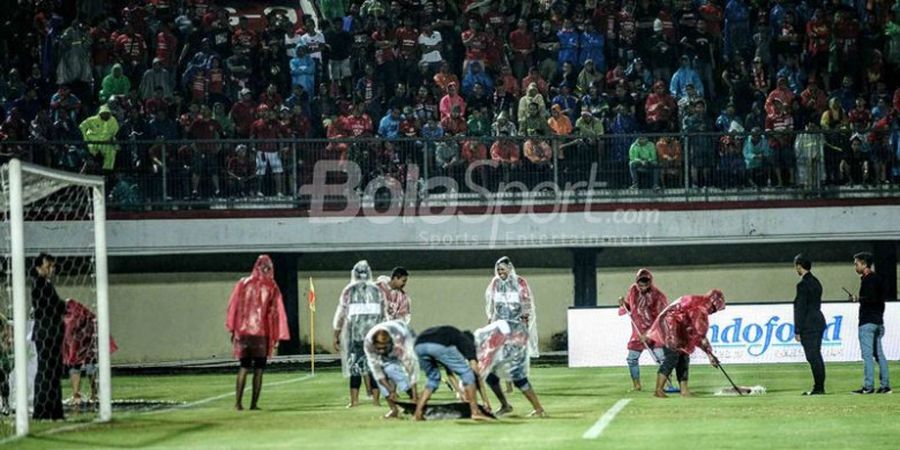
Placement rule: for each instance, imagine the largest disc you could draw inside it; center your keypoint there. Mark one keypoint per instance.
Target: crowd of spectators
(788, 92)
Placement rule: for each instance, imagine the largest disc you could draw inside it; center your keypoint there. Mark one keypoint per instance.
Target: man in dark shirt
(809, 323)
(454, 350)
(871, 325)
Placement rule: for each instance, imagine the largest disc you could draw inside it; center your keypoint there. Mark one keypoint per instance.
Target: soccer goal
(53, 242)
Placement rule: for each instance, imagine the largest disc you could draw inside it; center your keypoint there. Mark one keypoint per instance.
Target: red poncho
(80, 335)
(256, 308)
(683, 324)
(643, 307)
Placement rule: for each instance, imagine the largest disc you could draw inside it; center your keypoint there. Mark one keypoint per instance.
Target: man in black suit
(809, 323)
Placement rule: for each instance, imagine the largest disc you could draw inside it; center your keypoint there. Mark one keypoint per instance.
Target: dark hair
(399, 272)
(802, 261)
(39, 261)
(865, 257)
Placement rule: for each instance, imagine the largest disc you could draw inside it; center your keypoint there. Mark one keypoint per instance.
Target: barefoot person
(643, 303)
(80, 348)
(508, 297)
(446, 346)
(502, 348)
(392, 359)
(257, 321)
(360, 307)
(680, 329)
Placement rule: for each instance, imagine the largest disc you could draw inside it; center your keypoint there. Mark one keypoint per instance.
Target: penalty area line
(595, 431)
(79, 426)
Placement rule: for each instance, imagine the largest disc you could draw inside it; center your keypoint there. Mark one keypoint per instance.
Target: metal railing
(328, 173)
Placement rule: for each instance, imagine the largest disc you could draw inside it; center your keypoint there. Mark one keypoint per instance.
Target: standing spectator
(476, 41)
(102, 129)
(737, 28)
(48, 332)
(871, 324)
(808, 149)
(684, 76)
(75, 55)
(303, 70)
(547, 52)
(521, 42)
(339, 44)
(130, 50)
(101, 49)
(206, 154)
(268, 157)
(701, 148)
(592, 47)
(156, 77)
(166, 47)
(242, 113)
(809, 323)
(757, 157)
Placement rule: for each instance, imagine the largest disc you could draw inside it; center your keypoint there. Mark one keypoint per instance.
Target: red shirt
(408, 39)
(166, 46)
(216, 79)
(507, 151)
(477, 42)
(203, 129)
(242, 114)
(453, 126)
(357, 126)
(521, 40)
(473, 151)
(262, 129)
(199, 87)
(383, 55)
(130, 47)
(101, 49)
(244, 38)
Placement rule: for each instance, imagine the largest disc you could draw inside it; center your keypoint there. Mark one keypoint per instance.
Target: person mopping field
(643, 303)
(680, 329)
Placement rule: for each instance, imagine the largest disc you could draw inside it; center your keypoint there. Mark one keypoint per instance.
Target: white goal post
(24, 184)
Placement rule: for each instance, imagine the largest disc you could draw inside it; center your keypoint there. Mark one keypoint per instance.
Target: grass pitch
(300, 411)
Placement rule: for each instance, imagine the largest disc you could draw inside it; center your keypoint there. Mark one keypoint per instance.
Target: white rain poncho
(511, 299)
(360, 307)
(502, 349)
(74, 56)
(400, 351)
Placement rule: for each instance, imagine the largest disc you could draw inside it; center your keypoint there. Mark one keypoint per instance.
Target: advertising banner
(741, 334)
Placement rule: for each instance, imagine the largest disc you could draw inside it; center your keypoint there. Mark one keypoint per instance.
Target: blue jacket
(683, 77)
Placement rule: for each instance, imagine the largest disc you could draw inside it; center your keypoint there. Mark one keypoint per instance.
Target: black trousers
(675, 360)
(47, 380)
(812, 347)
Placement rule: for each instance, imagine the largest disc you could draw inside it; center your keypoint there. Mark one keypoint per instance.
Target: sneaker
(884, 390)
(814, 393)
(863, 391)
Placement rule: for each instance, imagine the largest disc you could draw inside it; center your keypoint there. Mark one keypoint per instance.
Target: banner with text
(739, 334)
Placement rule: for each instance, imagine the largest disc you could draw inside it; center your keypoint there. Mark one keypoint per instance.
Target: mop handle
(729, 380)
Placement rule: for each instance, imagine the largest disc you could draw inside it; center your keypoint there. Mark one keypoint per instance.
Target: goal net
(53, 300)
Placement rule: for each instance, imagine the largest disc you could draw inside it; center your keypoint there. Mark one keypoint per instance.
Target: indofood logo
(758, 338)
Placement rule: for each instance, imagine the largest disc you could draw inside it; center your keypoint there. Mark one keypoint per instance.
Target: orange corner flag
(311, 296)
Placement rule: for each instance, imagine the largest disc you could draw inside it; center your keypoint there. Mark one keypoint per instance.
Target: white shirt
(315, 44)
(434, 39)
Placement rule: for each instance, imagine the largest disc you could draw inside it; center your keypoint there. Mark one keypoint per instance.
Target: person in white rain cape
(360, 307)
(502, 349)
(509, 298)
(389, 348)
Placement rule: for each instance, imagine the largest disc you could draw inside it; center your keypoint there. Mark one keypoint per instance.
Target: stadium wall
(180, 316)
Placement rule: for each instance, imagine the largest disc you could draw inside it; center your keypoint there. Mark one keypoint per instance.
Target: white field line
(595, 431)
(78, 426)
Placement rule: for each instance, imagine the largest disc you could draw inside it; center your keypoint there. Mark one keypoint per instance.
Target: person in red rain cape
(79, 347)
(257, 321)
(643, 303)
(680, 329)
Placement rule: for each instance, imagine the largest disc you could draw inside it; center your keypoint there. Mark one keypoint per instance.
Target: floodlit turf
(308, 412)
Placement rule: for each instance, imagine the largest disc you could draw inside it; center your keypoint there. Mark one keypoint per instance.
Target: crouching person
(392, 362)
(447, 346)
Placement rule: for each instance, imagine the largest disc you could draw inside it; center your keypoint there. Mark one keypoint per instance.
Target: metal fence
(298, 173)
